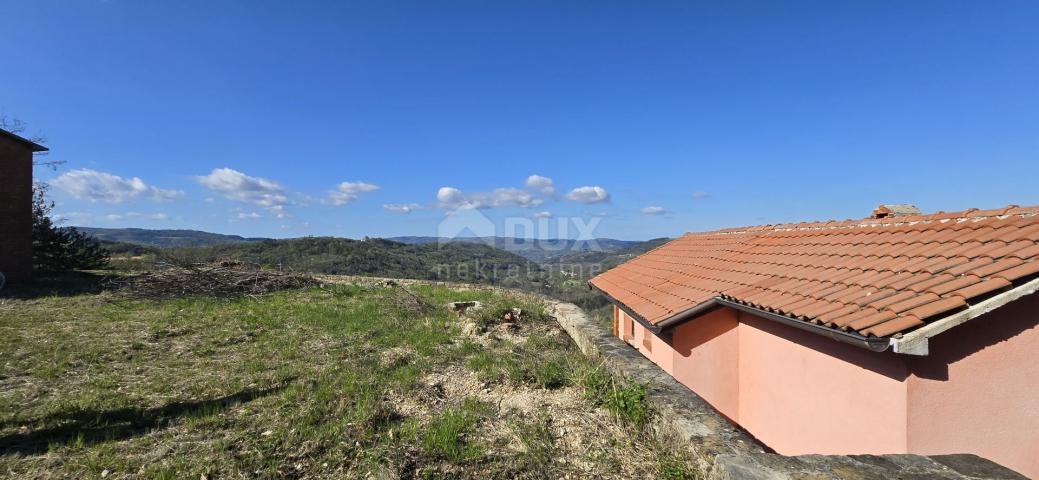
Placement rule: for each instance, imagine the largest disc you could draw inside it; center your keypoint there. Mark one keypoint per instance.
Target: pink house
(892, 334)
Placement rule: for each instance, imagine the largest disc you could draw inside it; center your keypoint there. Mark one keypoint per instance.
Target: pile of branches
(405, 300)
(177, 277)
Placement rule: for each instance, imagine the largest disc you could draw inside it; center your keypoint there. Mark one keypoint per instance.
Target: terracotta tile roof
(876, 276)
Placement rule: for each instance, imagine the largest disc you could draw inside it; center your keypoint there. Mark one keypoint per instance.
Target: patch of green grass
(672, 467)
(626, 400)
(299, 383)
(551, 374)
(446, 435)
(536, 436)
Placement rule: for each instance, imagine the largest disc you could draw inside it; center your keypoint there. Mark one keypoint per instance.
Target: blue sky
(248, 117)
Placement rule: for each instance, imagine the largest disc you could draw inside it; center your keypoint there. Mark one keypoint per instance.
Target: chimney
(885, 210)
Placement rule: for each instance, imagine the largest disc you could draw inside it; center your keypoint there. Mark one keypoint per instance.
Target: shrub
(59, 249)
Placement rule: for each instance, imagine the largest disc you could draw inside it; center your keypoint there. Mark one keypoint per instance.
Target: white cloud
(72, 217)
(453, 199)
(348, 192)
(542, 215)
(402, 207)
(248, 216)
(95, 186)
(541, 184)
(588, 195)
(701, 194)
(653, 210)
(237, 186)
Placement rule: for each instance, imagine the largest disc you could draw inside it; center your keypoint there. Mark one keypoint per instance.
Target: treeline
(462, 262)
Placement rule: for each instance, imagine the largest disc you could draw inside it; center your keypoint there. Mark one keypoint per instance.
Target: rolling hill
(588, 263)
(163, 238)
(463, 262)
(535, 250)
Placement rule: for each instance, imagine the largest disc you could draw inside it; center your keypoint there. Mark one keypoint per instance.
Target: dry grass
(339, 381)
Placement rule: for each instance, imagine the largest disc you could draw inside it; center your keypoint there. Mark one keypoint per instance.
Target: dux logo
(467, 223)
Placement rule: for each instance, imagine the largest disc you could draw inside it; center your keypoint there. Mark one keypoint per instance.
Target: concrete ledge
(768, 466)
(726, 452)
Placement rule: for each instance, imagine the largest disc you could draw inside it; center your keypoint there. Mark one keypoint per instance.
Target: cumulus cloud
(248, 216)
(95, 186)
(454, 199)
(701, 194)
(348, 192)
(589, 195)
(401, 207)
(541, 184)
(542, 215)
(653, 210)
(237, 186)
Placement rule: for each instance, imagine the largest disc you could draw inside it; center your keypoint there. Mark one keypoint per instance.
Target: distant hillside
(163, 238)
(585, 264)
(466, 262)
(535, 250)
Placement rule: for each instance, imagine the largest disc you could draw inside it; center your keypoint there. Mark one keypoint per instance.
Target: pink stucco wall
(978, 390)
(705, 353)
(800, 393)
(652, 346)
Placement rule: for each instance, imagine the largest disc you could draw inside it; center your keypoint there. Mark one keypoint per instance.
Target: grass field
(341, 381)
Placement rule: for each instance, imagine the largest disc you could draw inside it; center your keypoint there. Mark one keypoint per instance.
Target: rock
(470, 329)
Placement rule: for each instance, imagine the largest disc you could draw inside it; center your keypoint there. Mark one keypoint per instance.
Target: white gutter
(915, 342)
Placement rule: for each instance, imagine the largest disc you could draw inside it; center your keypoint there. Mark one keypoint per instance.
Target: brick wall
(15, 211)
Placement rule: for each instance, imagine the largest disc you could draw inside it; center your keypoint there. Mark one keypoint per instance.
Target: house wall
(978, 390)
(652, 346)
(801, 393)
(705, 353)
(15, 211)
(789, 388)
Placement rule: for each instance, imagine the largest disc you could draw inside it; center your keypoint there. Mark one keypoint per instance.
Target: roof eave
(875, 344)
(31, 145)
(664, 328)
(916, 341)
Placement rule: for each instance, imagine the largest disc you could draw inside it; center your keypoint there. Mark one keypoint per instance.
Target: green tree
(57, 249)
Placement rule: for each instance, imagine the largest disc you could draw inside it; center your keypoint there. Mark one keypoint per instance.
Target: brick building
(16, 205)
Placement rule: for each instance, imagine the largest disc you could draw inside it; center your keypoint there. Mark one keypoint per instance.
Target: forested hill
(163, 238)
(594, 262)
(537, 250)
(465, 262)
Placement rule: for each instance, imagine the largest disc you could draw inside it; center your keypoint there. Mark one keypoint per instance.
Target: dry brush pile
(176, 277)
